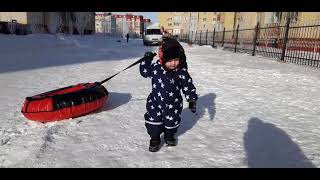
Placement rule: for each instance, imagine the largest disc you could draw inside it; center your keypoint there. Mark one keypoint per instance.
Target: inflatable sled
(65, 103)
(68, 102)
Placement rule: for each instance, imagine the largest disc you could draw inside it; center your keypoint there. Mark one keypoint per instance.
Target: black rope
(107, 79)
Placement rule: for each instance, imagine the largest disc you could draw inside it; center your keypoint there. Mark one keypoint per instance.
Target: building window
(276, 17)
(294, 16)
(204, 25)
(218, 17)
(214, 19)
(169, 24)
(204, 19)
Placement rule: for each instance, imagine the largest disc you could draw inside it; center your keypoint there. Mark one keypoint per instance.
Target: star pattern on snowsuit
(164, 104)
(145, 71)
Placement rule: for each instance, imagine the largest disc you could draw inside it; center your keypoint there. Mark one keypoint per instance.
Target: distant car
(152, 36)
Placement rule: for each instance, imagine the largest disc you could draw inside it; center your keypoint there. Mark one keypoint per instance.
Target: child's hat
(171, 49)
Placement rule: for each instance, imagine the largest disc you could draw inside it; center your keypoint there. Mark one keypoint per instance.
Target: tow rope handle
(107, 79)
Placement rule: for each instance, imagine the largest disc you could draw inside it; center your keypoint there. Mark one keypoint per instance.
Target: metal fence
(291, 42)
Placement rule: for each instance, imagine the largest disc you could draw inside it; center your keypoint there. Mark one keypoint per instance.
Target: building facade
(105, 23)
(146, 23)
(50, 22)
(128, 23)
(189, 22)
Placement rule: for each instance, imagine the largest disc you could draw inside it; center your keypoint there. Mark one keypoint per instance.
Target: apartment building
(189, 22)
(105, 23)
(128, 23)
(41, 22)
(146, 23)
(166, 21)
(249, 20)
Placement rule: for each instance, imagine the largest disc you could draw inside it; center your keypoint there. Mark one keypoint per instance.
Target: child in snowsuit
(169, 76)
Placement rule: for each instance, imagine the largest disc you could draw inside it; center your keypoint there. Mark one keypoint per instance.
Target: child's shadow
(189, 119)
(268, 146)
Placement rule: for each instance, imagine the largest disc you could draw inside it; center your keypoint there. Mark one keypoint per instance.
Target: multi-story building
(128, 23)
(207, 20)
(189, 22)
(249, 20)
(46, 21)
(146, 23)
(105, 23)
(166, 21)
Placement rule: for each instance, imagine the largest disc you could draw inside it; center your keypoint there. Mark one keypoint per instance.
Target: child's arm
(145, 65)
(188, 89)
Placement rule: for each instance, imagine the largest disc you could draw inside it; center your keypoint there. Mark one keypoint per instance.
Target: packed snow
(251, 112)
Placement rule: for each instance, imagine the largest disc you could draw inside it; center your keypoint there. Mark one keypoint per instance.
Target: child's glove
(149, 56)
(192, 106)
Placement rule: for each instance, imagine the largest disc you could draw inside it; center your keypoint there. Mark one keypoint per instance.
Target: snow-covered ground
(252, 111)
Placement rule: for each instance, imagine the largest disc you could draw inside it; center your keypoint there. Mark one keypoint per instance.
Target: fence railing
(294, 43)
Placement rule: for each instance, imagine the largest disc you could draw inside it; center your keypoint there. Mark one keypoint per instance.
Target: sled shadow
(115, 100)
(267, 146)
(189, 119)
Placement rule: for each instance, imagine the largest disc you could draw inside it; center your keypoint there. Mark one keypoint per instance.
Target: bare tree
(55, 23)
(70, 22)
(82, 20)
(12, 27)
(36, 22)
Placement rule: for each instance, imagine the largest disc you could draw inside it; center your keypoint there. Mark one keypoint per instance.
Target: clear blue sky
(147, 15)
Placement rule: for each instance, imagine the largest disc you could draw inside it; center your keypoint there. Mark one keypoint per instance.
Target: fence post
(224, 30)
(214, 33)
(255, 40)
(285, 39)
(207, 37)
(236, 40)
(200, 38)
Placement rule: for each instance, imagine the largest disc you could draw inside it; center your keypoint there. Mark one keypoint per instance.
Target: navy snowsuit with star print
(165, 103)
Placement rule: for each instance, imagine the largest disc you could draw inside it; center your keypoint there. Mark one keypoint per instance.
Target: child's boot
(170, 140)
(154, 144)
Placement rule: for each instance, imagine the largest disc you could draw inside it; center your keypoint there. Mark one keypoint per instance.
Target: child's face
(172, 63)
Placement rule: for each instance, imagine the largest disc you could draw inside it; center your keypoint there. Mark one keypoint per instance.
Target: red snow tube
(64, 103)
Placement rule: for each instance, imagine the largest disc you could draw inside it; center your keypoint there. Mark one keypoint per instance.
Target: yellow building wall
(21, 17)
(309, 16)
(228, 20)
(165, 21)
(208, 24)
(248, 20)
